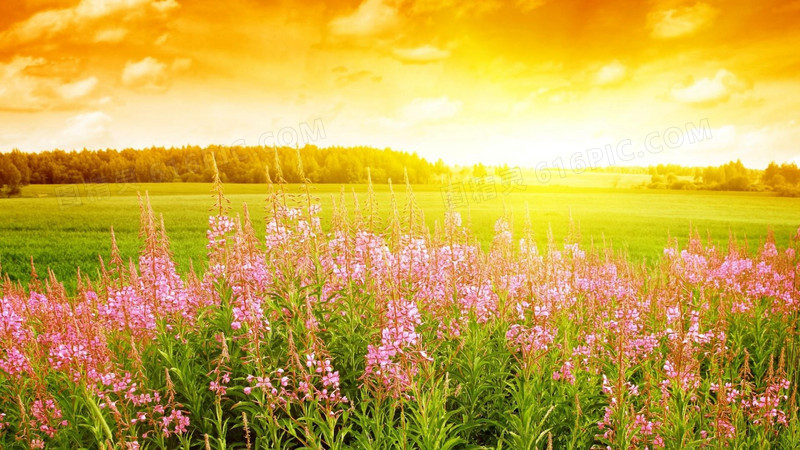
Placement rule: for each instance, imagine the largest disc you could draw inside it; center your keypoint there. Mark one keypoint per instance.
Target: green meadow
(64, 227)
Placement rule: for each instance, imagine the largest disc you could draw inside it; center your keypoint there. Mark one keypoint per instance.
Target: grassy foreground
(378, 337)
(67, 232)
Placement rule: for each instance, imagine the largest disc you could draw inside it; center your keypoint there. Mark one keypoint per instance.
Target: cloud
(710, 91)
(430, 109)
(89, 9)
(672, 23)
(110, 35)
(18, 90)
(29, 84)
(502, 69)
(522, 106)
(419, 111)
(147, 75)
(421, 55)
(355, 77)
(151, 75)
(88, 126)
(559, 93)
(610, 74)
(86, 130)
(86, 15)
(78, 89)
(372, 17)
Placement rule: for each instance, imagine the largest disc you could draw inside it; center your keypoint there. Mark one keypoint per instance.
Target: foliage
(733, 176)
(386, 336)
(10, 179)
(784, 179)
(235, 164)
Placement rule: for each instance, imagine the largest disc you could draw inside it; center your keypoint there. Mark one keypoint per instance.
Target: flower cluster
(698, 347)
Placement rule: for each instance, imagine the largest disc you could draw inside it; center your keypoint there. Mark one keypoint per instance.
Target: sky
(522, 82)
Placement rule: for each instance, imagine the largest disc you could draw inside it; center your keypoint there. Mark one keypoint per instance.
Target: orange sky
(520, 82)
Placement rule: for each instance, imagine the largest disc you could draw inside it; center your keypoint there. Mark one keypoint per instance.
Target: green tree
(479, 170)
(770, 173)
(10, 179)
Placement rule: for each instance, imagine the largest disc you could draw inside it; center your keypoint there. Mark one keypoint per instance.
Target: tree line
(196, 164)
(238, 164)
(733, 176)
(783, 179)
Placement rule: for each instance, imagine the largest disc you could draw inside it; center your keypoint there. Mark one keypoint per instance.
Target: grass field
(65, 232)
(364, 340)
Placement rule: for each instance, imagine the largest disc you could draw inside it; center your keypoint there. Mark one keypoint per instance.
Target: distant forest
(733, 176)
(235, 164)
(333, 165)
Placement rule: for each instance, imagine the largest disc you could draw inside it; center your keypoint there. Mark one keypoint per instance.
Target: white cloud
(421, 55)
(149, 75)
(87, 129)
(84, 16)
(110, 35)
(24, 88)
(18, 88)
(43, 24)
(610, 74)
(710, 91)
(165, 6)
(672, 23)
(558, 93)
(94, 9)
(372, 17)
(78, 89)
(522, 106)
(430, 109)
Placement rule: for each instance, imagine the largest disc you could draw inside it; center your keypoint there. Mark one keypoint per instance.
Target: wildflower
(217, 388)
